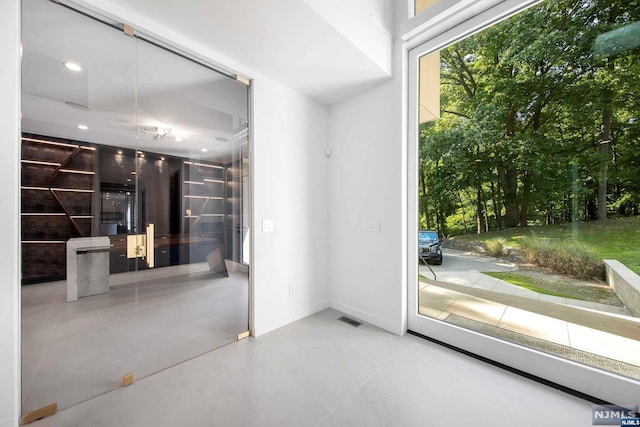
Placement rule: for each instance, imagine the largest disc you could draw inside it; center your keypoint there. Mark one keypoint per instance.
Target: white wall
(291, 188)
(367, 176)
(9, 187)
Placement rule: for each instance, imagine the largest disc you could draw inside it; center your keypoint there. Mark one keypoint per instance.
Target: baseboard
(394, 328)
(291, 317)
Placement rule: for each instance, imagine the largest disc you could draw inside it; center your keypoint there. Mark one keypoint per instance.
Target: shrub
(496, 246)
(567, 257)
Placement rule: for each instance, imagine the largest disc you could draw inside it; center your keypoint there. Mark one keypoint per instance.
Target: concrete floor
(78, 350)
(314, 372)
(323, 372)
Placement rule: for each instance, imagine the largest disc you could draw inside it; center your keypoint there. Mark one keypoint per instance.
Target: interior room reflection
(134, 205)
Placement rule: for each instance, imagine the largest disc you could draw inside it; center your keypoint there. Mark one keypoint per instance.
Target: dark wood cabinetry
(204, 198)
(72, 189)
(56, 198)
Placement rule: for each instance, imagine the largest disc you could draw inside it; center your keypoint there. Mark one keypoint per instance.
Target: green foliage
(496, 246)
(618, 238)
(568, 257)
(523, 106)
(457, 225)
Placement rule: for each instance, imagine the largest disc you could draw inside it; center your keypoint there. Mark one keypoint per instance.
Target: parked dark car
(430, 247)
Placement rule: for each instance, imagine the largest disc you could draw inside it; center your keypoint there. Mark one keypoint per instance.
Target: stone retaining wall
(625, 283)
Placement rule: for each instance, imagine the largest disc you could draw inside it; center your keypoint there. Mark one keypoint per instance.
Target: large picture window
(526, 169)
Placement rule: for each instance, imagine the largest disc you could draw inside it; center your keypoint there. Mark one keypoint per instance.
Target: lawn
(528, 283)
(586, 292)
(616, 238)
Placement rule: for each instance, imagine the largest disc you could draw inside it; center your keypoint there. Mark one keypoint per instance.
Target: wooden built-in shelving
(56, 200)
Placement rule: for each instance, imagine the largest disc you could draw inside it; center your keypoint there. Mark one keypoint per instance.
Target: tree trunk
(590, 211)
(605, 140)
(425, 200)
(442, 226)
(508, 178)
(496, 209)
(607, 114)
(480, 219)
(526, 195)
(464, 216)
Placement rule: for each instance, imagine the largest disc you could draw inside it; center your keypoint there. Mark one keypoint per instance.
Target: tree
(539, 112)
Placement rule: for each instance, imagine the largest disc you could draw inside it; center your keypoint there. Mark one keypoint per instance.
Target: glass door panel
(192, 281)
(138, 161)
(78, 118)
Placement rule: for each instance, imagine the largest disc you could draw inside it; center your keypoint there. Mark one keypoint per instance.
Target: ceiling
(130, 93)
(326, 49)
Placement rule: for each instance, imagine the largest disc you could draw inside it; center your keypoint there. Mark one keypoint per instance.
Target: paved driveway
(466, 261)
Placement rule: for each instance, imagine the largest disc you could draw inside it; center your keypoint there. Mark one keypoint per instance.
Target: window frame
(584, 379)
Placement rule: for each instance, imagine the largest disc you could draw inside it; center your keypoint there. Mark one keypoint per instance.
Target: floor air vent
(350, 321)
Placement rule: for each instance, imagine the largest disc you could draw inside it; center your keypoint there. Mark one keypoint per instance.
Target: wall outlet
(371, 226)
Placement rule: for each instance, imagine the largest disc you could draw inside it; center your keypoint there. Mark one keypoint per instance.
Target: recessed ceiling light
(128, 180)
(72, 66)
(204, 150)
(119, 151)
(83, 127)
(162, 158)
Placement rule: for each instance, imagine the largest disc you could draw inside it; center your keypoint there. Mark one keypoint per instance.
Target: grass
(617, 238)
(496, 246)
(529, 283)
(565, 256)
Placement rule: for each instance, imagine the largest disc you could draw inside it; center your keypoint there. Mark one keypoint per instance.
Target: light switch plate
(372, 226)
(267, 225)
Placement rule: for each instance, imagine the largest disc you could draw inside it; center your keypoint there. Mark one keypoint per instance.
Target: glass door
(79, 334)
(135, 207)
(193, 279)
(519, 139)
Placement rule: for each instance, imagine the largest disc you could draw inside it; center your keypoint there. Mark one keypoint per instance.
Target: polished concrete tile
(427, 385)
(75, 351)
(322, 372)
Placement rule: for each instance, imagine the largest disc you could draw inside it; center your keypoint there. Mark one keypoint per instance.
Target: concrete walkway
(595, 329)
(475, 279)
(464, 268)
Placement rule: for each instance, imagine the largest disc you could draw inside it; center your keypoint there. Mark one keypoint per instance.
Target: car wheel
(438, 261)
